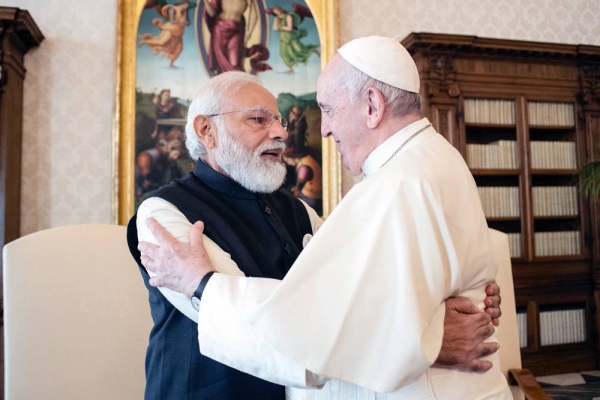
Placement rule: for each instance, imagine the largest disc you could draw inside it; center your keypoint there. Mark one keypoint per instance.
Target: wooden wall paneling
(533, 325)
(589, 99)
(525, 181)
(443, 120)
(595, 317)
(441, 92)
(592, 127)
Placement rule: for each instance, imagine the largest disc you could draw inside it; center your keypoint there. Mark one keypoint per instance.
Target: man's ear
(205, 131)
(375, 107)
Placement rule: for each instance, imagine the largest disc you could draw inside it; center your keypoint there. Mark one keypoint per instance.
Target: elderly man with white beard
(236, 134)
(237, 138)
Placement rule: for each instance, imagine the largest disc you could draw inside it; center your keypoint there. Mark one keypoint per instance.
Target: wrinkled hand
(465, 329)
(492, 302)
(178, 266)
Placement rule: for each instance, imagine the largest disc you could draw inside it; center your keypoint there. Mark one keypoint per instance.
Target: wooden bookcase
(526, 117)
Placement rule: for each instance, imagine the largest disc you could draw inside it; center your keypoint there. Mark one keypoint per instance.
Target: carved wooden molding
(441, 76)
(443, 121)
(22, 25)
(419, 42)
(17, 28)
(590, 84)
(592, 125)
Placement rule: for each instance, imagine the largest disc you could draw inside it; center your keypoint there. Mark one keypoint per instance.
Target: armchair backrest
(508, 333)
(76, 316)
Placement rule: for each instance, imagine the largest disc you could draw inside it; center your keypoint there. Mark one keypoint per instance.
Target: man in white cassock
(362, 309)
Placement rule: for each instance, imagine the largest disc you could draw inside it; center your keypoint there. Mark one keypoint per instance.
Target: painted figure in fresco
(160, 153)
(150, 167)
(170, 40)
(166, 106)
(178, 162)
(304, 162)
(159, 165)
(229, 32)
(291, 49)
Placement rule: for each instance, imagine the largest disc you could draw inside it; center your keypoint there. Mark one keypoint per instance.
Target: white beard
(248, 168)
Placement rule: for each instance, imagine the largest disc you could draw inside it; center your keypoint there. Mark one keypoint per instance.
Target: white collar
(385, 150)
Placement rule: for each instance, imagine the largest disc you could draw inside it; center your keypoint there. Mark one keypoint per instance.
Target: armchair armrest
(528, 384)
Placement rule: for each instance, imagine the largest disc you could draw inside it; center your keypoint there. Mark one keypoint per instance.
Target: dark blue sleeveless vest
(263, 234)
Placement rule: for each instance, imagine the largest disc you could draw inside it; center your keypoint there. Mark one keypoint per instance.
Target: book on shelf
(562, 327)
(514, 244)
(501, 154)
(489, 111)
(562, 243)
(553, 155)
(522, 326)
(500, 201)
(550, 201)
(543, 113)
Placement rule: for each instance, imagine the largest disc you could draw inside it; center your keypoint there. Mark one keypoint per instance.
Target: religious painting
(180, 44)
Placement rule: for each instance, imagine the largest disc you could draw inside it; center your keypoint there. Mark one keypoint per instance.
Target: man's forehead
(324, 92)
(253, 96)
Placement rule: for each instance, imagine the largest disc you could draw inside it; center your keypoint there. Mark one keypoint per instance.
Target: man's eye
(261, 120)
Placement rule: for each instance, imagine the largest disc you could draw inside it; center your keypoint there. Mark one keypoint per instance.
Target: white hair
(210, 100)
(399, 102)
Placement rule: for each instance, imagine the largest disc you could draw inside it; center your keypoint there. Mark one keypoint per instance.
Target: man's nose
(277, 131)
(325, 130)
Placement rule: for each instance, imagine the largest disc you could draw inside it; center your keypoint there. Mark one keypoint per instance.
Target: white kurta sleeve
(226, 336)
(270, 364)
(364, 301)
(178, 225)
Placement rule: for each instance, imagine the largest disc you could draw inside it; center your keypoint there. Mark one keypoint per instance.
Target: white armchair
(508, 334)
(76, 314)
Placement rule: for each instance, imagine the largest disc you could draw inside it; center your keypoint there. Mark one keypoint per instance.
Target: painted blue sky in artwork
(154, 73)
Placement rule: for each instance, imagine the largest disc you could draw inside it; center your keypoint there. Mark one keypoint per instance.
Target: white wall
(572, 21)
(69, 90)
(68, 114)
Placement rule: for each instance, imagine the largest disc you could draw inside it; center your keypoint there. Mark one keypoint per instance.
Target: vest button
(287, 248)
(268, 210)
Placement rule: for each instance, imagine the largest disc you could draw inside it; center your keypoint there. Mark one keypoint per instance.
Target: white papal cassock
(364, 301)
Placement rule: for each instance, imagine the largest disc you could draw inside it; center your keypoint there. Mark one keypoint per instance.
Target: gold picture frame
(326, 15)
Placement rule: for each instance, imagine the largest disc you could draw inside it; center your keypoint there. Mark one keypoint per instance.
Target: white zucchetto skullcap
(384, 59)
